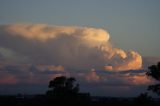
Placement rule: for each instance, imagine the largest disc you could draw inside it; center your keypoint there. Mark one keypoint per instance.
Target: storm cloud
(75, 48)
(36, 53)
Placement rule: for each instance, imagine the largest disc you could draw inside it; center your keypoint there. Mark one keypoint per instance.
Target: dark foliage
(144, 100)
(66, 91)
(155, 88)
(154, 72)
(61, 86)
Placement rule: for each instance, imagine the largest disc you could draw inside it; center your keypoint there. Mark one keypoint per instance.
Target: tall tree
(154, 72)
(65, 91)
(63, 86)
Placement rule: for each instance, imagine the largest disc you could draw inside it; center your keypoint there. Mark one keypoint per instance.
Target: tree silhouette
(143, 100)
(62, 85)
(154, 72)
(63, 90)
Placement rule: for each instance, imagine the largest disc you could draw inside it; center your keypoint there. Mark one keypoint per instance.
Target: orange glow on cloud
(132, 63)
(8, 79)
(92, 76)
(94, 42)
(50, 67)
(141, 80)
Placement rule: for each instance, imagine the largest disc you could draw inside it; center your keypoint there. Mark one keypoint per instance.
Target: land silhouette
(65, 91)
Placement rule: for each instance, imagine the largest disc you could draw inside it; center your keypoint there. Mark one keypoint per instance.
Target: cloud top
(72, 47)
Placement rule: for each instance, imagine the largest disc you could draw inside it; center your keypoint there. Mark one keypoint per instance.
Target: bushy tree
(154, 72)
(63, 86)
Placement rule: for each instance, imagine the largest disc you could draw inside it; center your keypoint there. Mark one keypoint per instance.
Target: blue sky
(132, 24)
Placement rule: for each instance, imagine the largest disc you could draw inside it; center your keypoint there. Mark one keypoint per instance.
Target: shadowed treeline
(43, 100)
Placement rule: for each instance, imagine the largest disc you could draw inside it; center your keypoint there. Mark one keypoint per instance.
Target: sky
(108, 43)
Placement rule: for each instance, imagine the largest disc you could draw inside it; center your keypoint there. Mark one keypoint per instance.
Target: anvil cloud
(72, 47)
(37, 53)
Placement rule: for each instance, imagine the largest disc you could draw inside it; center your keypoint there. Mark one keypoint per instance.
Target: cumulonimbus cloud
(78, 48)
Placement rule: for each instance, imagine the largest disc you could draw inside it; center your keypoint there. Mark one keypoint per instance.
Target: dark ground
(82, 100)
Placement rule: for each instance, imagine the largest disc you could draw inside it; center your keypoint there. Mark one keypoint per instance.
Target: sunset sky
(106, 45)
